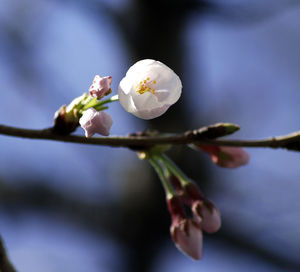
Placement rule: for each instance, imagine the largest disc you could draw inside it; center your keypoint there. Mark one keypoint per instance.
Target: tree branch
(200, 136)
(5, 265)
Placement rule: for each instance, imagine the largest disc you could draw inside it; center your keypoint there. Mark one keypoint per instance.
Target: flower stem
(91, 102)
(174, 169)
(100, 108)
(98, 105)
(109, 100)
(161, 173)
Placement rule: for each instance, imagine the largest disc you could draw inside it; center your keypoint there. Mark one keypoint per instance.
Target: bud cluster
(183, 195)
(86, 111)
(186, 231)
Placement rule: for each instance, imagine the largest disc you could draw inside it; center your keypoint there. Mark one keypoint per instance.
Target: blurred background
(68, 207)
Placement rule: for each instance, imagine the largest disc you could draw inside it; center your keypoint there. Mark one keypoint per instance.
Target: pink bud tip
(192, 193)
(187, 236)
(100, 86)
(93, 121)
(226, 156)
(176, 209)
(207, 216)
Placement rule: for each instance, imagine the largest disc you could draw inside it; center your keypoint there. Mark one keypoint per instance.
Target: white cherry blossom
(149, 89)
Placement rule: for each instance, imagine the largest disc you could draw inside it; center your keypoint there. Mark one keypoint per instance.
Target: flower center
(146, 86)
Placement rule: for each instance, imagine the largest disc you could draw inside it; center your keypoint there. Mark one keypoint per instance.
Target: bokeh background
(68, 207)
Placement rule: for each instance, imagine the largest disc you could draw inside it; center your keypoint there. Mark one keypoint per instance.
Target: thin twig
(141, 142)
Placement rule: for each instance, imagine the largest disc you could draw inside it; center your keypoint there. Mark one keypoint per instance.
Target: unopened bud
(187, 236)
(93, 121)
(175, 208)
(100, 86)
(66, 119)
(65, 122)
(176, 184)
(207, 215)
(226, 156)
(192, 193)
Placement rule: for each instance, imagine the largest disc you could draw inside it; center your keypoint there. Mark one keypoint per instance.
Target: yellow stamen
(145, 86)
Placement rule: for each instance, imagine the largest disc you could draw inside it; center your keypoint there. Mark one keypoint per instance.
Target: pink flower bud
(93, 121)
(175, 208)
(176, 185)
(192, 193)
(186, 233)
(207, 215)
(204, 211)
(100, 86)
(187, 236)
(226, 156)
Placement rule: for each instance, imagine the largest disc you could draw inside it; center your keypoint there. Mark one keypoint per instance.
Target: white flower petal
(140, 64)
(144, 114)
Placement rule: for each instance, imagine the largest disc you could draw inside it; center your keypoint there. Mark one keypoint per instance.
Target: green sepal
(91, 103)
